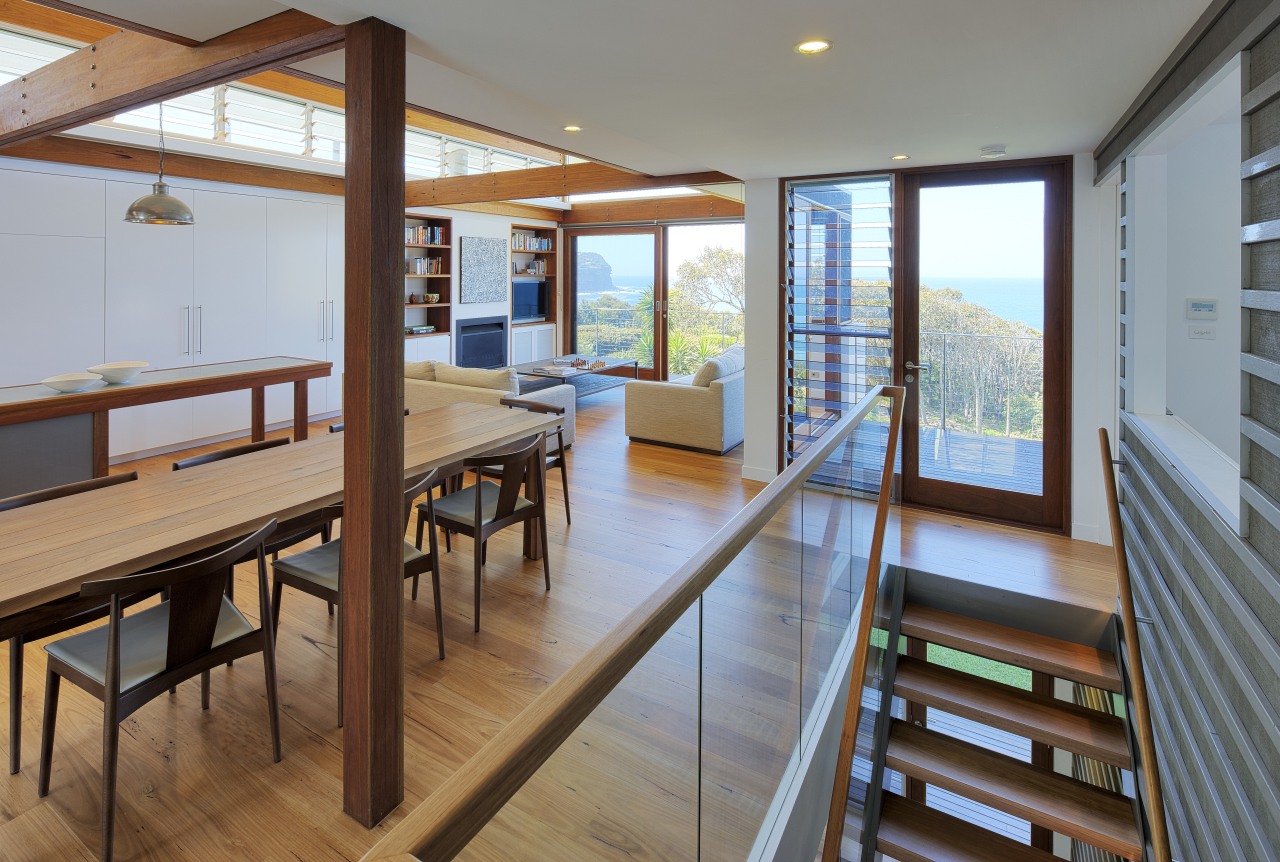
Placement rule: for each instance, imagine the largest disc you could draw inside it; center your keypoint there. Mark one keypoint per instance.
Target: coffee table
(549, 372)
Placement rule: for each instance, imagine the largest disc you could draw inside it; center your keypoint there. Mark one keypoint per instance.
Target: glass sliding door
(706, 296)
(984, 346)
(615, 282)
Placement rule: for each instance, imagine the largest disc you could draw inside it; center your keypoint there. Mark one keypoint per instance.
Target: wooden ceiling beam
(121, 157)
(126, 70)
(678, 208)
(43, 20)
(581, 178)
(40, 19)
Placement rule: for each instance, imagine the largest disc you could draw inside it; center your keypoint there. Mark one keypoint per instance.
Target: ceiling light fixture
(900, 157)
(993, 151)
(573, 128)
(813, 46)
(159, 207)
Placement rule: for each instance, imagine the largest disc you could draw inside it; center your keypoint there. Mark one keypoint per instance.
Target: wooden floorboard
(199, 785)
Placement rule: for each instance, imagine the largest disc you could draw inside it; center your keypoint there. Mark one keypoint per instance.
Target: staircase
(911, 832)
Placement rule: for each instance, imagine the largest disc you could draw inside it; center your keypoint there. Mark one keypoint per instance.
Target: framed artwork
(484, 269)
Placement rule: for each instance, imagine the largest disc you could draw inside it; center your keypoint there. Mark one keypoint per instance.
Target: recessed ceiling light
(900, 157)
(993, 151)
(573, 128)
(813, 46)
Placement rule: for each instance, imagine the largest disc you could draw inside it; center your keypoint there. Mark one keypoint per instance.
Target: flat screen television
(529, 301)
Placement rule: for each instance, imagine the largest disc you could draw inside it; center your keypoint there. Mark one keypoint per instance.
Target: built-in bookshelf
(428, 277)
(533, 275)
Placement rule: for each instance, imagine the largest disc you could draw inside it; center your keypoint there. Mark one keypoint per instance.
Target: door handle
(199, 329)
(911, 366)
(186, 331)
(331, 323)
(321, 319)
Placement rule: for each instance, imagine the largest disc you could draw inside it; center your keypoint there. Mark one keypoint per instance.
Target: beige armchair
(705, 416)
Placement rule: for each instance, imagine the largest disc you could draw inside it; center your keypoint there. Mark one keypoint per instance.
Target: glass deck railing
(691, 730)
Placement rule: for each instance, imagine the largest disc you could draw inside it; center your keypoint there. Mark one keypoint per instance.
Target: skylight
(249, 119)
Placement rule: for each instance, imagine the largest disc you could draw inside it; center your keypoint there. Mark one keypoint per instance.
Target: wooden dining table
(47, 550)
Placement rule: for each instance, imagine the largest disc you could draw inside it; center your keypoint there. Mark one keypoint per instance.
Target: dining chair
(289, 532)
(51, 618)
(132, 659)
(318, 572)
(484, 508)
(557, 457)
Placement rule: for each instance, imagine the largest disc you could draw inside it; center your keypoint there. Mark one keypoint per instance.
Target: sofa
(435, 384)
(705, 415)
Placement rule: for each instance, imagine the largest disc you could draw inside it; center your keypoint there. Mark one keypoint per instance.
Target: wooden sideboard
(49, 438)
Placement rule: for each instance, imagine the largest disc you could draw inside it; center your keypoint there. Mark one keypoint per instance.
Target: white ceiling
(667, 86)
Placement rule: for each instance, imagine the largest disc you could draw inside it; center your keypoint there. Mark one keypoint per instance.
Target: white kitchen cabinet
(53, 316)
(230, 300)
(150, 312)
(52, 205)
(298, 311)
(335, 282)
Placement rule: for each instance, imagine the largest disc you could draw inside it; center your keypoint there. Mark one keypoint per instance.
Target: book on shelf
(423, 235)
(528, 242)
(424, 266)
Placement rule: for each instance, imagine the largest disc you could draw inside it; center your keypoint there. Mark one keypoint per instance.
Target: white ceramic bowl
(71, 382)
(119, 372)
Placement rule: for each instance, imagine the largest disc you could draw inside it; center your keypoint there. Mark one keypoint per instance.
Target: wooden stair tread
(911, 832)
(1039, 717)
(1095, 816)
(1035, 652)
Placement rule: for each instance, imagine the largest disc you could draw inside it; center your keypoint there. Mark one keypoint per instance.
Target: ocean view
(1020, 299)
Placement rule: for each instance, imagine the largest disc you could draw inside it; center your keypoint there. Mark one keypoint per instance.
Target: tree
(714, 279)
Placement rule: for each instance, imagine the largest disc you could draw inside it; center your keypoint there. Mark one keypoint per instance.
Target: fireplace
(482, 342)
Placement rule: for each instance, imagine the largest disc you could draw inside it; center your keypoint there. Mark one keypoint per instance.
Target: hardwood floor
(200, 785)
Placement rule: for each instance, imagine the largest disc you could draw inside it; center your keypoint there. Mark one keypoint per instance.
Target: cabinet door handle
(199, 329)
(331, 323)
(186, 331)
(322, 320)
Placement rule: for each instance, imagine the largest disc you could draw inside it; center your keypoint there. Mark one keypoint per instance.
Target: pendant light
(159, 207)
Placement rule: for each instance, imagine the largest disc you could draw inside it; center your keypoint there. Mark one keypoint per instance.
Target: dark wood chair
(484, 508)
(132, 659)
(557, 458)
(318, 572)
(51, 618)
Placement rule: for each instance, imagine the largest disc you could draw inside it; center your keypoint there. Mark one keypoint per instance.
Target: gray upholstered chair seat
(144, 639)
(320, 564)
(461, 505)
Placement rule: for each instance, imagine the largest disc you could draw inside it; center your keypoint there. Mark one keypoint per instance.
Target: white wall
(760, 451)
(1093, 345)
(1204, 261)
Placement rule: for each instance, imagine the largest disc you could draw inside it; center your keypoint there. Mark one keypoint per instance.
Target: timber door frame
(1051, 510)
(659, 234)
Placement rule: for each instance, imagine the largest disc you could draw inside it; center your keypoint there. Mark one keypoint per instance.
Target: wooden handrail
(862, 643)
(1159, 831)
(445, 822)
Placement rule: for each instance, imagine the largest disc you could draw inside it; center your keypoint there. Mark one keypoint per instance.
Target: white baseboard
(759, 474)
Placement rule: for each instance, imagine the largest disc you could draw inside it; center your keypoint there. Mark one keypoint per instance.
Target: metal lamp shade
(159, 207)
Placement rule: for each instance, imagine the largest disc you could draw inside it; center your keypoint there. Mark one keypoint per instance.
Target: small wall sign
(1202, 308)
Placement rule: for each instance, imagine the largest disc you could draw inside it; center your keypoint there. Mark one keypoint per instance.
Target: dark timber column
(373, 523)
